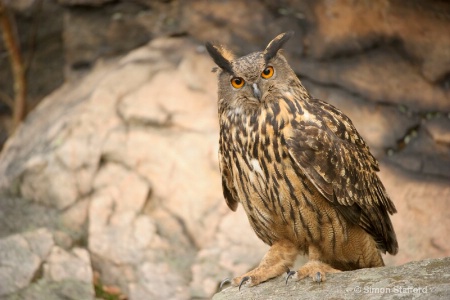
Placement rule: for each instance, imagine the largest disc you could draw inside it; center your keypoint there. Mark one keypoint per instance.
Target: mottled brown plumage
(303, 174)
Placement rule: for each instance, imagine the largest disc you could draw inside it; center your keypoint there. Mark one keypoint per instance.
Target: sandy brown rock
(381, 76)
(422, 220)
(418, 28)
(424, 153)
(226, 22)
(92, 33)
(439, 129)
(233, 250)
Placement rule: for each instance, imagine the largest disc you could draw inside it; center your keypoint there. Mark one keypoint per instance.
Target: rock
(361, 74)
(32, 267)
(422, 198)
(234, 249)
(49, 290)
(225, 21)
(18, 215)
(430, 280)
(62, 265)
(423, 153)
(439, 129)
(21, 257)
(167, 285)
(34, 162)
(84, 2)
(116, 231)
(20, 5)
(92, 33)
(384, 23)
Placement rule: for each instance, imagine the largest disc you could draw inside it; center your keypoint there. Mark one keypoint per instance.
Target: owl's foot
(252, 278)
(256, 276)
(280, 256)
(234, 281)
(315, 269)
(248, 280)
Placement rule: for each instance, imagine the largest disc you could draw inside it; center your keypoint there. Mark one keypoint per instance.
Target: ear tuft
(221, 56)
(276, 44)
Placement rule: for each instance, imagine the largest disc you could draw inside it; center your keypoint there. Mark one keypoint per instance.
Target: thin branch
(12, 44)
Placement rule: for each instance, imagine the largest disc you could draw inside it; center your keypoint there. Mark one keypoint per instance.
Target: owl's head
(252, 81)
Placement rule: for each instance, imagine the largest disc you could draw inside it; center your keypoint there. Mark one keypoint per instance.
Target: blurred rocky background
(110, 188)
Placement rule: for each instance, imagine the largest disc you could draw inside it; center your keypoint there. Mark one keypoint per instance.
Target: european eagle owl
(303, 174)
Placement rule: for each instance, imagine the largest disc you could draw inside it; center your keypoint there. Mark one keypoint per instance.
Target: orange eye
(267, 73)
(237, 82)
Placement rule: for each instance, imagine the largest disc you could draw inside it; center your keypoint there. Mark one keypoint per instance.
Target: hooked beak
(256, 91)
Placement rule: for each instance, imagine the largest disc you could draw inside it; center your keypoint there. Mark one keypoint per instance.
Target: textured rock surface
(33, 267)
(21, 257)
(119, 167)
(426, 279)
(62, 265)
(51, 290)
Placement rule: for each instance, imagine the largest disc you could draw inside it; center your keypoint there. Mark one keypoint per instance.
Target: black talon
(318, 277)
(225, 281)
(289, 274)
(244, 280)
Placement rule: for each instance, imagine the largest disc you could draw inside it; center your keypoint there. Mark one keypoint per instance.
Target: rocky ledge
(427, 278)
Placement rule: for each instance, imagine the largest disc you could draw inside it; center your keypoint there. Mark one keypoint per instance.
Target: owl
(303, 174)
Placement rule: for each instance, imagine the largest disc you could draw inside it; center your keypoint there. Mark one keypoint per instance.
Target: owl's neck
(272, 117)
(280, 107)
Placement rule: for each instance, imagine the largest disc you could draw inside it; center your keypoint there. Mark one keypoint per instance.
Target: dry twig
(12, 45)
